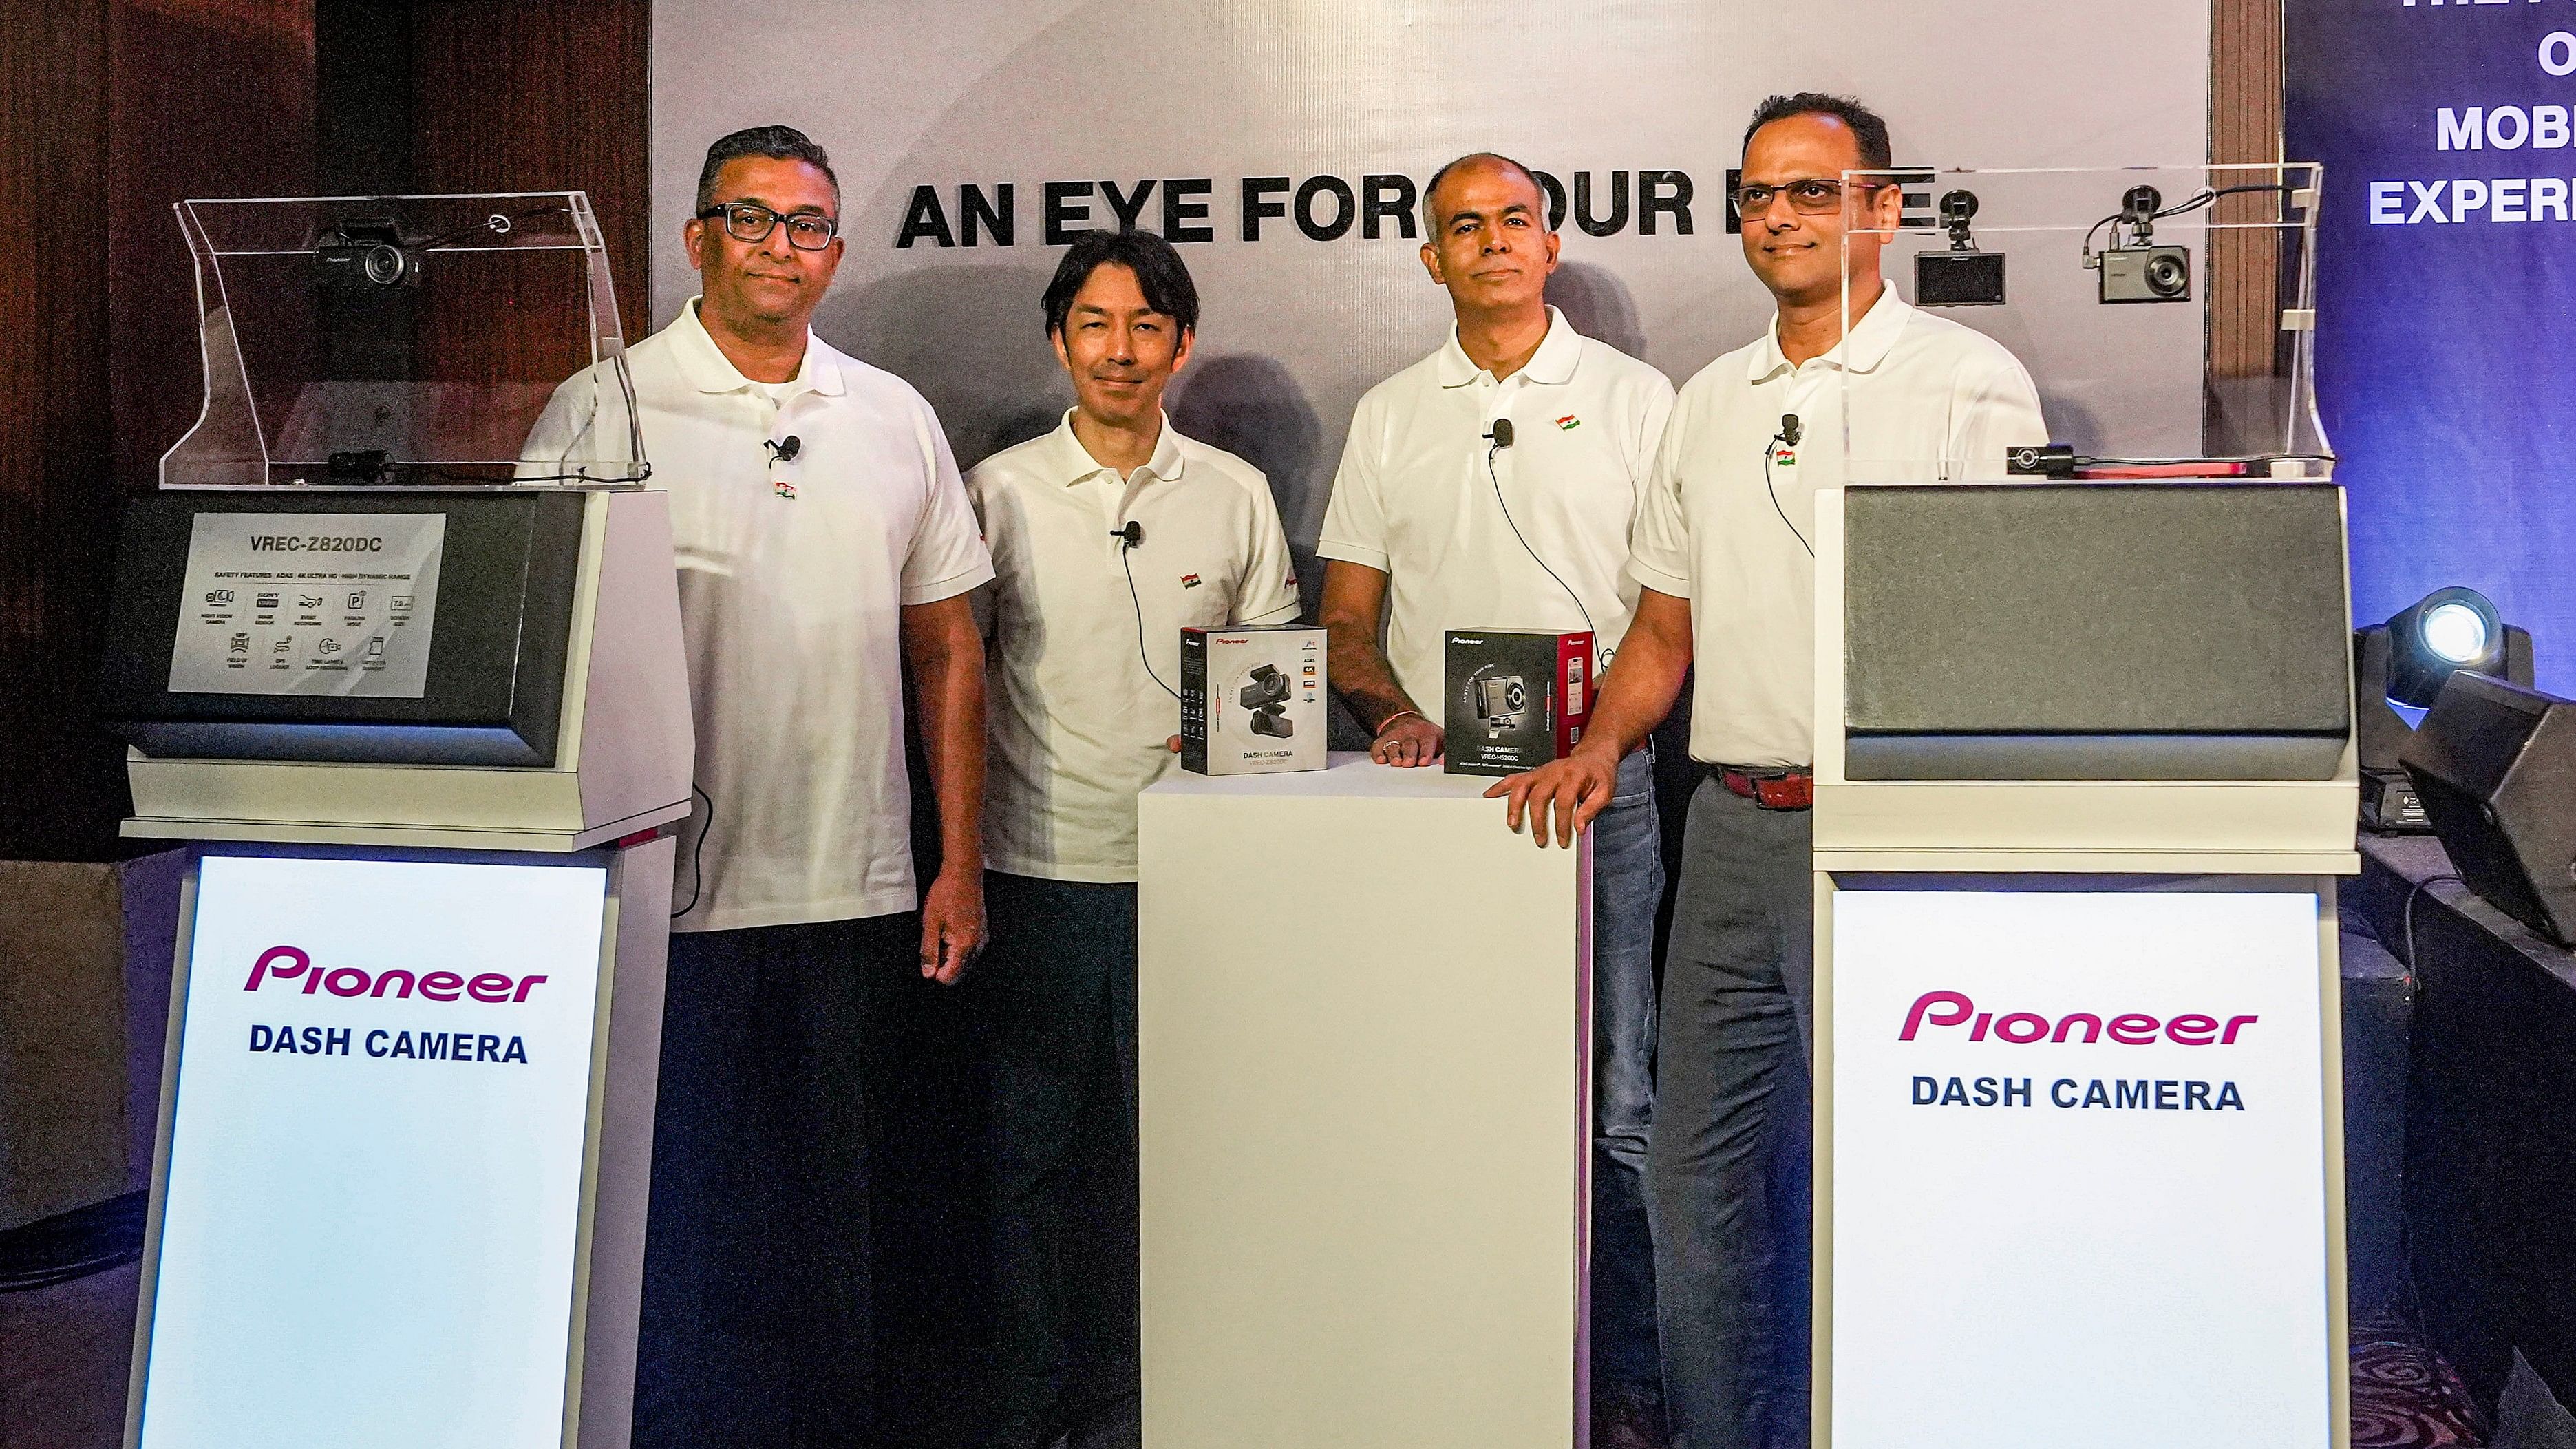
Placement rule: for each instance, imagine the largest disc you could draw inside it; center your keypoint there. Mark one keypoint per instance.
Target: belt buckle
(1782, 792)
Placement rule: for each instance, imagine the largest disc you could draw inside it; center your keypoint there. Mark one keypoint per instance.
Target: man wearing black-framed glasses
(1722, 556)
(826, 550)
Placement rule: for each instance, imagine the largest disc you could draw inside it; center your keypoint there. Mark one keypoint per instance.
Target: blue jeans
(1627, 885)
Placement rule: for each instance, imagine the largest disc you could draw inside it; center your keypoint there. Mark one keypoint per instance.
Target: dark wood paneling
(113, 109)
(59, 781)
(206, 98)
(542, 95)
(2244, 127)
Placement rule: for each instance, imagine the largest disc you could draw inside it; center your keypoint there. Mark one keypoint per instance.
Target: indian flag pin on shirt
(1569, 422)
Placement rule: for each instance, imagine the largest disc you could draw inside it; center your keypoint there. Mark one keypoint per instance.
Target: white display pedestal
(1363, 1010)
(2078, 1131)
(406, 1129)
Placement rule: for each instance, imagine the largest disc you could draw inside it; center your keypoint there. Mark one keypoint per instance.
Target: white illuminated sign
(374, 1169)
(2078, 1171)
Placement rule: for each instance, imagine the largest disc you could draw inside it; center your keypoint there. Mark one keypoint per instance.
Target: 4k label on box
(1514, 700)
(1252, 700)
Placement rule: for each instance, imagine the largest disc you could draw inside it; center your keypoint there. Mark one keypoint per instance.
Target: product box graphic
(1514, 701)
(1252, 700)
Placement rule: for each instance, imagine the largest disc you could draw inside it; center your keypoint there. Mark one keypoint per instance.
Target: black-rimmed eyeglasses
(746, 221)
(1811, 196)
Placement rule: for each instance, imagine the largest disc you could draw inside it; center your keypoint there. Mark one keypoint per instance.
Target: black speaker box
(2495, 766)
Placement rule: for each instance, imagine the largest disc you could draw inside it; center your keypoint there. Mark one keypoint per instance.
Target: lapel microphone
(1133, 533)
(784, 451)
(1501, 436)
(1790, 427)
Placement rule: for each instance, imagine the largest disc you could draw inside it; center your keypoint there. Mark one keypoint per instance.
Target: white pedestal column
(1364, 1063)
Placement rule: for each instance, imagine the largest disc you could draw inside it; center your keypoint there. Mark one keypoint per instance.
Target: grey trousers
(1727, 1169)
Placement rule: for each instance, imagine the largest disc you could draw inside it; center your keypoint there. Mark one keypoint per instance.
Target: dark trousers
(1727, 1169)
(756, 1328)
(1055, 1008)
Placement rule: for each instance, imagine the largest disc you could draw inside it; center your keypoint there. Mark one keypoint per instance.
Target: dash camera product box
(1252, 700)
(1515, 701)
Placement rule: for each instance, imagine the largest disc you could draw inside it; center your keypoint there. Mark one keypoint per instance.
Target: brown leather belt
(1770, 789)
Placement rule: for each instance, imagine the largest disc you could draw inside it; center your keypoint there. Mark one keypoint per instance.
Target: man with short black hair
(1109, 535)
(1727, 580)
(1493, 485)
(825, 545)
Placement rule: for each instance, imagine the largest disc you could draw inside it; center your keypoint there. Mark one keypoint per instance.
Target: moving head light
(2406, 661)
(2495, 767)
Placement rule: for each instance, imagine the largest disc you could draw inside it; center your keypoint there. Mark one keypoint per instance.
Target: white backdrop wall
(1022, 93)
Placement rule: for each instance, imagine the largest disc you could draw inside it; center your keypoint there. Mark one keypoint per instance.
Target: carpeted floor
(2404, 1397)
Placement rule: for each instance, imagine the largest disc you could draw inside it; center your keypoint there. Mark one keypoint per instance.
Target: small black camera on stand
(367, 251)
(1962, 276)
(2142, 271)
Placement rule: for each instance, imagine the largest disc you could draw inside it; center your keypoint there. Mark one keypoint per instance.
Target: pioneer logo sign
(1945, 1011)
(292, 965)
(285, 963)
(2129, 1028)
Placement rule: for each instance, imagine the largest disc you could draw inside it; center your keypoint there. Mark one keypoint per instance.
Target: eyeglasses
(1811, 196)
(746, 221)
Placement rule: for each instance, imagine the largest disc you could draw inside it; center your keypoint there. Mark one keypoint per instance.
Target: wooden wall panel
(2244, 126)
(542, 95)
(114, 109)
(58, 779)
(208, 98)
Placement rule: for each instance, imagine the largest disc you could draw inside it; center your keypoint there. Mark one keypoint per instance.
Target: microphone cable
(697, 853)
(1502, 438)
(1128, 537)
(1788, 436)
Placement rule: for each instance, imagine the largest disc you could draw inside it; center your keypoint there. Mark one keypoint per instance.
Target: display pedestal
(2078, 1130)
(1363, 1012)
(406, 1126)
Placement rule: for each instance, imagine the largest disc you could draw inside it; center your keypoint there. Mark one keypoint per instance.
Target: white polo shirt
(1078, 725)
(1414, 500)
(1921, 387)
(792, 581)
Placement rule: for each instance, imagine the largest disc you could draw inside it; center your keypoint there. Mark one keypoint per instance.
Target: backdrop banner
(2446, 296)
(1284, 147)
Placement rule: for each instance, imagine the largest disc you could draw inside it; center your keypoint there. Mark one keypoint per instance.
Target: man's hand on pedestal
(1575, 789)
(1407, 739)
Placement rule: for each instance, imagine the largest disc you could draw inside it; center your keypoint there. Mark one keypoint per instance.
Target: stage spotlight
(2495, 768)
(2444, 631)
(2405, 661)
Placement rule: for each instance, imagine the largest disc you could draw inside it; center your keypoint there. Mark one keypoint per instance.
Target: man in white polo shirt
(1725, 560)
(824, 543)
(1109, 536)
(1492, 485)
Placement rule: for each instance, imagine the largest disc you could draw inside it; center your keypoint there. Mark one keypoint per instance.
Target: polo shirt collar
(1552, 365)
(1069, 462)
(1862, 349)
(709, 370)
